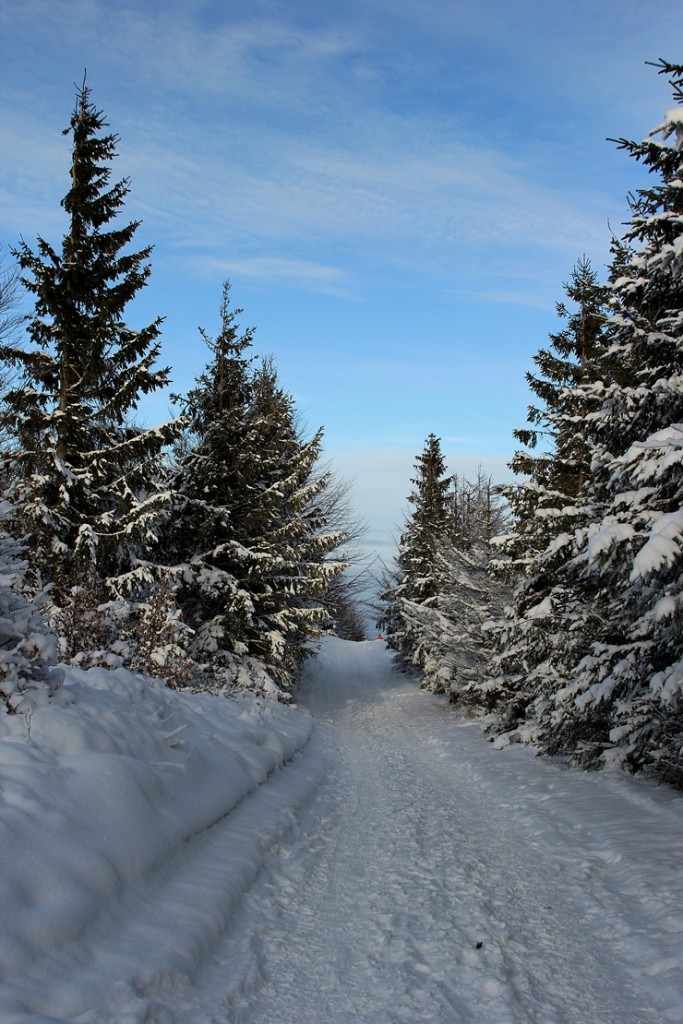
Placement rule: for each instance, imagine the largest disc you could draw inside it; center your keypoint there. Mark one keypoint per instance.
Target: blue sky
(396, 189)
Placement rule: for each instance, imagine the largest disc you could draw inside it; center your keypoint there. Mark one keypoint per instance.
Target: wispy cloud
(449, 209)
(318, 277)
(254, 131)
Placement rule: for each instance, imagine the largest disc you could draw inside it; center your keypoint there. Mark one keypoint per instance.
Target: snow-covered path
(432, 878)
(386, 866)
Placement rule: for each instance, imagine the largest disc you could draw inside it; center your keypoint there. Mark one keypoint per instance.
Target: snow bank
(99, 788)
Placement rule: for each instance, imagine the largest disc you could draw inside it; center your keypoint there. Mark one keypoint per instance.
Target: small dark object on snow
(479, 945)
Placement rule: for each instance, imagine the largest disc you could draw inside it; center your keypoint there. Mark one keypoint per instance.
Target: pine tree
(624, 700)
(297, 541)
(85, 484)
(427, 524)
(557, 458)
(211, 483)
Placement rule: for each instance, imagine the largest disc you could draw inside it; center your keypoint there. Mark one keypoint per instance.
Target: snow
(368, 856)
(674, 116)
(662, 546)
(671, 436)
(542, 610)
(607, 536)
(102, 793)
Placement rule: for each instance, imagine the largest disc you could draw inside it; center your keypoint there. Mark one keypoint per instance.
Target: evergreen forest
(553, 608)
(206, 551)
(211, 551)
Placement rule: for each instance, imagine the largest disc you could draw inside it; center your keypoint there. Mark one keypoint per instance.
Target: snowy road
(432, 878)
(394, 869)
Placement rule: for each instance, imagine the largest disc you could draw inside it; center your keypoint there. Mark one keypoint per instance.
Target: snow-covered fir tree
(470, 595)
(536, 634)
(557, 455)
(84, 480)
(440, 594)
(292, 526)
(409, 603)
(248, 534)
(209, 481)
(623, 701)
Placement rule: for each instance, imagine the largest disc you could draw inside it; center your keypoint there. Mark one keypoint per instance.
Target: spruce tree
(470, 595)
(249, 531)
(427, 523)
(410, 601)
(85, 484)
(557, 454)
(211, 484)
(624, 700)
(533, 638)
(299, 539)
(440, 594)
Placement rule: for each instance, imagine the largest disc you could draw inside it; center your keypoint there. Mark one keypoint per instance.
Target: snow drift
(100, 789)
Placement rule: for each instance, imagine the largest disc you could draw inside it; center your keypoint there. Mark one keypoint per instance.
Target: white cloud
(316, 276)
